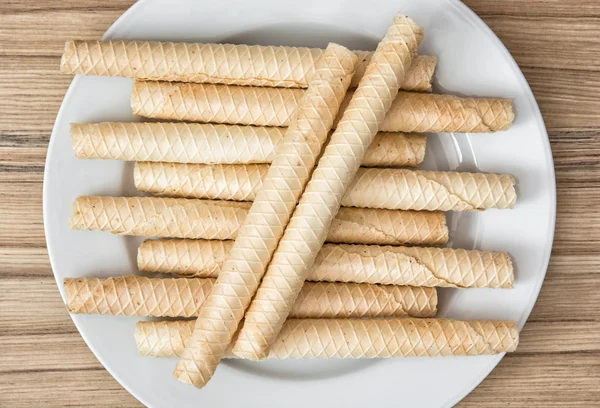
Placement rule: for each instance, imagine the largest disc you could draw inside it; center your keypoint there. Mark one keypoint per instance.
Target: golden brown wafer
(414, 266)
(217, 63)
(393, 189)
(354, 338)
(410, 112)
(212, 219)
(207, 143)
(140, 296)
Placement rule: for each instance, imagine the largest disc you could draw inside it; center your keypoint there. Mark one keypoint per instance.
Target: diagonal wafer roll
(258, 236)
(413, 266)
(321, 200)
(393, 189)
(354, 338)
(217, 63)
(410, 112)
(206, 143)
(207, 219)
(140, 296)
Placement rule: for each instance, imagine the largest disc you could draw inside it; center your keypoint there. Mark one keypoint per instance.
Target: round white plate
(472, 61)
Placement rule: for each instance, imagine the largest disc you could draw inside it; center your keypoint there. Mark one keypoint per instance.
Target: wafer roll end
(501, 335)
(76, 219)
(65, 65)
(500, 118)
(72, 286)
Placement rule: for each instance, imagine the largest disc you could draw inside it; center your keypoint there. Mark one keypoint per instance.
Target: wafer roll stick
(217, 63)
(354, 338)
(322, 197)
(238, 182)
(162, 217)
(414, 266)
(207, 219)
(206, 143)
(394, 189)
(430, 190)
(140, 296)
(259, 235)
(410, 112)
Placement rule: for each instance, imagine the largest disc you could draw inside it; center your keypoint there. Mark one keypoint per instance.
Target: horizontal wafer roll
(354, 338)
(134, 295)
(430, 190)
(208, 219)
(410, 112)
(413, 266)
(216, 63)
(207, 143)
(162, 217)
(394, 189)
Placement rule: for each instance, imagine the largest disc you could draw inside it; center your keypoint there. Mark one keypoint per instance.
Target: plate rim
(473, 19)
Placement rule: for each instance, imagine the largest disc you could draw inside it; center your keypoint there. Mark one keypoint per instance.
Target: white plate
(472, 61)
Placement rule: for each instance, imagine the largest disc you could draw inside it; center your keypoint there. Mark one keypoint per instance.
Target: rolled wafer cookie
(208, 219)
(393, 189)
(134, 295)
(414, 266)
(207, 143)
(162, 217)
(243, 105)
(354, 338)
(321, 200)
(430, 190)
(259, 235)
(217, 63)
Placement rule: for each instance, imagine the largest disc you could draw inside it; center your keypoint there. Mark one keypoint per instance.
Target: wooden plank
(52, 29)
(570, 43)
(88, 387)
(557, 380)
(24, 261)
(559, 337)
(21, 222)
(18, 6)
(567, 99)
(535, 8)
(32, 306)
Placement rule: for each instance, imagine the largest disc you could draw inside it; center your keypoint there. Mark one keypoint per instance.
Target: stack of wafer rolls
(207, 143)
(410, 112)
(414, 266)
(213, 219)
(217, 63)
(394, 189)
(235, 155)
(354, 338)
(179, 297)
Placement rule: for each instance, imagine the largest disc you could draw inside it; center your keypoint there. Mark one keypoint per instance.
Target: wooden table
(43, 359)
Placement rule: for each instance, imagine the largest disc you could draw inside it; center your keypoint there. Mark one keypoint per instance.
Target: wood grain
(45, 362)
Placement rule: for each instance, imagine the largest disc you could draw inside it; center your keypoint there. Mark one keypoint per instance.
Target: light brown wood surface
(45, 362)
